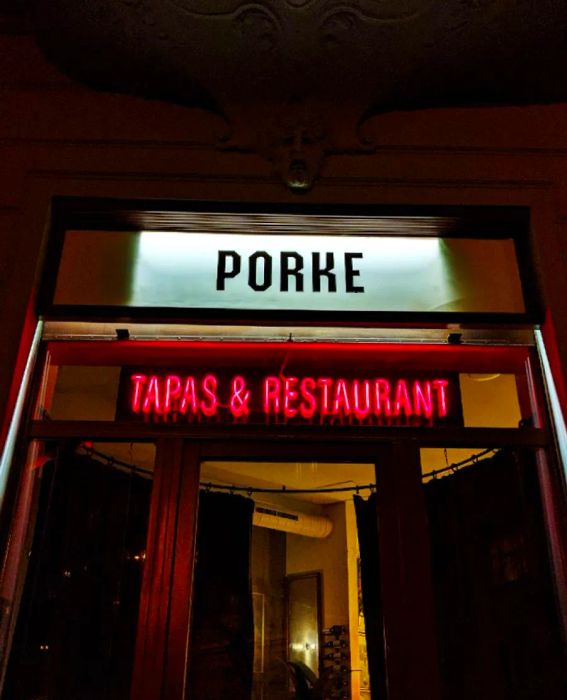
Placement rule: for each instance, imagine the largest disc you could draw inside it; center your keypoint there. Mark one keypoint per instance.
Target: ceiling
(292, 475)
(296, 80)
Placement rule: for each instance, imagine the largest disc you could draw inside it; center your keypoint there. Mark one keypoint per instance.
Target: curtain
(76, 627)
(222, 633)
(367, 524)
(498, 630)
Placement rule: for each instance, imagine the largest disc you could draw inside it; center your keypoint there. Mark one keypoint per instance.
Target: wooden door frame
(164, 620)
(165, 600)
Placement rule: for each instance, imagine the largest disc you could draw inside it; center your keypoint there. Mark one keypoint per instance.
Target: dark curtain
(498, 631)
(222, 636)
(77, 622)
(367, 524)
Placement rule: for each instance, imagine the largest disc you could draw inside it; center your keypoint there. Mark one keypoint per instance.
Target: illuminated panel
(239, 272)
(176, 396)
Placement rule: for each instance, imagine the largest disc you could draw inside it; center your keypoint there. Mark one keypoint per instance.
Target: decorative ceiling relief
(295, 80)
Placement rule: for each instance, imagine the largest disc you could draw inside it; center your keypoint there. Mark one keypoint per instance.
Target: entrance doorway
(299, 547)
(434, 579)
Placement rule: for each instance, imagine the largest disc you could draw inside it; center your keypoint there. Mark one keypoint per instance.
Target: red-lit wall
(58, 138)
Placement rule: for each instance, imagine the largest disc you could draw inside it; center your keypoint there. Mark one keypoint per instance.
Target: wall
(337, 559)
(58, 138)
(267, 572)
(329, 556)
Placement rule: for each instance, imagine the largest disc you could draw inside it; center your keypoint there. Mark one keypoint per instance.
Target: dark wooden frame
(246, 440)
(162, 642)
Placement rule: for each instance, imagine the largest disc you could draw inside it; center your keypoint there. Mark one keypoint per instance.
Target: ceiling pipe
(293, 522)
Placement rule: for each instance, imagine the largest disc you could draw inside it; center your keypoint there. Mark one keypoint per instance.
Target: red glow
(361, 393)
(308, 406)
(290, 396)
(422, 399)
(271, 395)
(378, 400)
(240, 396)
(215, 356)
(23, 350)
(210, 404)
(152, 396)
(402, 403)
(189, 396)
(325, 383)
(139, 380)
(172, 391)
(341, 403)
(441, 386)
(382, 397)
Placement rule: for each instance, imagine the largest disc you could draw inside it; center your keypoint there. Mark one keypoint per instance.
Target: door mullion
(182, 576)
(163, 620)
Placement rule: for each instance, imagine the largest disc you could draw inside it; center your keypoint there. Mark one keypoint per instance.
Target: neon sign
(182, 396)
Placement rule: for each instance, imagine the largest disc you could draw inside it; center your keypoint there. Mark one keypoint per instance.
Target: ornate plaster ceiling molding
(296, 79)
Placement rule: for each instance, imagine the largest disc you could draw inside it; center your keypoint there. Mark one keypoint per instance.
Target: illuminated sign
(174, 397)
(239, 272)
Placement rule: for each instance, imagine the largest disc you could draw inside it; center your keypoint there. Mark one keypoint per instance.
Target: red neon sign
(170, 397)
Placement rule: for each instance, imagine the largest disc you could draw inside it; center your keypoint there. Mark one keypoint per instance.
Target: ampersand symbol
(240, 397)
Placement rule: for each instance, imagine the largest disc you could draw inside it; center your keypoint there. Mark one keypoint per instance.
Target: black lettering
(351, 273)
(288, 271)
(327, 271)
(253, 271)
(222, 273)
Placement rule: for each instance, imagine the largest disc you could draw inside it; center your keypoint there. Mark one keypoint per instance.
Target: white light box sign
(327, 273)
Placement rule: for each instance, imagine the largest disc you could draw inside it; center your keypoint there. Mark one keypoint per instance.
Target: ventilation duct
(295, 523)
